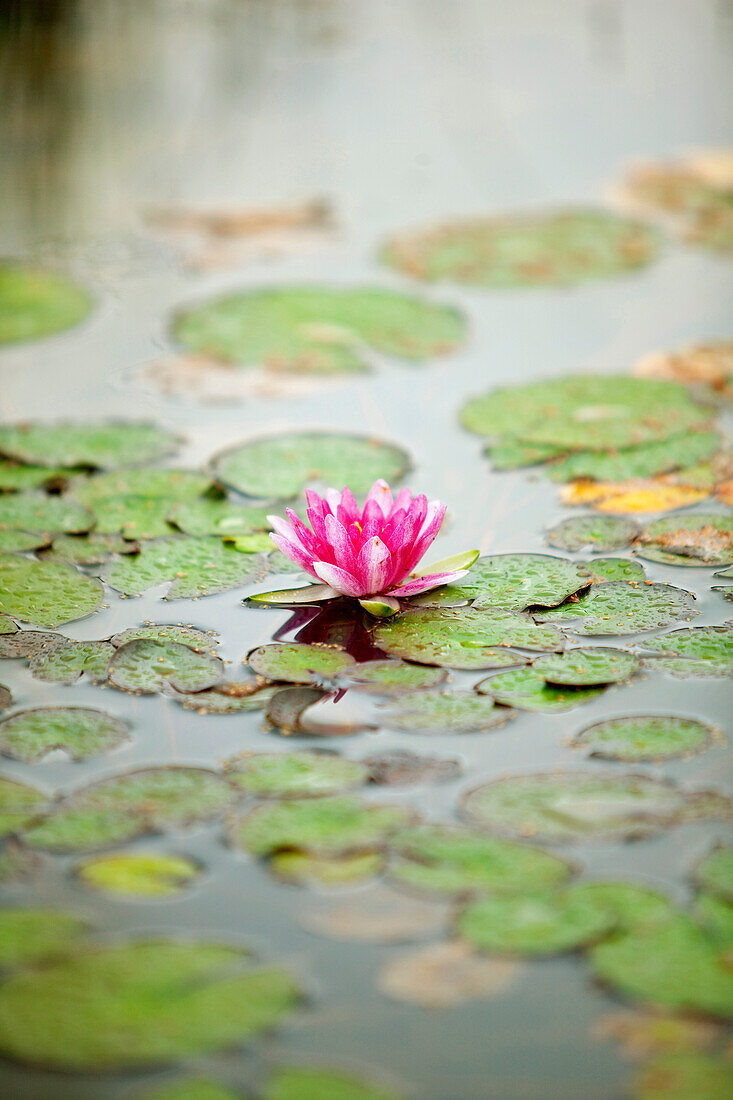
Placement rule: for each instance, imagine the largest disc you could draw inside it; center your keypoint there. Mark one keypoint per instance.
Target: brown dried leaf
(379, 915)
(445, 974)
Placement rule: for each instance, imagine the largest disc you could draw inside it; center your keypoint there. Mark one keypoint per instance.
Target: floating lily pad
(630, 905)
(323, 826)
(329, 871)
(672, 964)
(581, 807)
(585, 667)
(100, 446)
(30, 934)
(642, 1033)
(698, 651)
(139, 874)
(18, 542)
(191, 1088)
(152, 482)
(390, 677)
(27, 643)
(7, 626)
(527, 249)
(20, 804)
(218, 517)
(285, 707)
(716, 915)
(196, 567)
(307, 1083)
(379, 915)
(38, 303)
(463, 638)
(442, 975)
(715, 872)
(298, 663)
(147, 666)
(512, 454)
(134, 517)
(220, 701)
(318, 330)
(527, 689)
(40, 513)
(600, 533)
(402, 768)
(644, 460)
(91, 549)
(700, 539)
(458, 861)
(685, 1076)
(16, 477)
(443, 712)
(534, 924)
(619, 607)
(46, 593)
(608, 570)
(518, 581)
(67, 661)
(295, 774)
(280, 466)
(191, 636)
(129, 805)
(139, 1004)
(80, 732)
(645, 737)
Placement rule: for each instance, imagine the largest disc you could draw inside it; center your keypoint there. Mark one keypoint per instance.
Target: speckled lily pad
(67, 661)
(324, 826)
(645, 737)
(644, 460)
(583, 807)
(147, 666)
(218, 517)
(685, 1076)
(220, 701)
(38, 303)
(518, 581)
(17, 477)
(18, 542)
(584, 667)
(138, 874)
(40, 513)
(463, 638)
(318, 330)
(608, 570)
(139, 1004)
(312, 1083)
(46, 593)
(443, 712)
(295, 774)
(599, 533)
(700, 539)
(91, 549)
(280, 466)
(620, 607)
(20, 804)
(527, 689)
(80, 732)
(534, 924)
(191, 636)
(133, 517)
(698, 651)
(393, 677)
(163, 483)
(298, 663)
(30, 934)
(98, 445)
(715, 871)
(27, 643)
(196, 567)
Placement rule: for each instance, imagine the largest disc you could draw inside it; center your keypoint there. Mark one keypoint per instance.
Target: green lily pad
(29, 735)
(162, 483)
(556, 248)
(314, 1083)
(295, 774)
(67, 661)
(320, 826)
(620, 607)
(700, 539)
(585, 667)
(196, 567)
(715, 871)
(534, 924)
(280, 466)
(97, 445)
(7, 626)
(20, 804)
(443, 712)
(18, 542)
(716, 915)
(608, 570)
(462, 638)
(596, 412)
(38, 303)
(139, 1004)
(631, 906)
(672, 964)
(697, 651)
(685, 1076)
(91, 549)
(330, 871)
(218, 517)
(147, 666)
(518, 581)
(644, 460)
(190, 636)
(592, 532)
(46, 593)
(30, 934)
(319, 330)
(16, 477)
(457, 861)
(645, 737)
(583, 807)
(527, 689)
(134, 517)
(298, 663)
(512, 454)
(139, 874)
(390, 677)
(39, 513)
(221, 701)
(190, 1088)
(130, 805)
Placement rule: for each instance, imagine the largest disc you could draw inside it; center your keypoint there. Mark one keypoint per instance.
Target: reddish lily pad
(401, 768)
(443, 975)
(694, 540)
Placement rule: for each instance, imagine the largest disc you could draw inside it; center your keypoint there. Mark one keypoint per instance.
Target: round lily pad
(518, 581)
(620, 607)
(139, 1004)
(18, 542)
(29, 735)
(98, 445)
(30, 934)
(38, 303)
(191, 636)
(645, 460)
(672, 964)
(685, 1076)
(43, 514)
(645, 737)
(138, 874)
(607, 570)
(298, 663)
(697, 651)
(133, 517)
(333, 871)
(196, 567)
(152, 482)
(715, 871)
(28, 643)
(322, 826)
(16, 477)
(379, 915)
(67, 661)
(581, 807)
(534, 924)
(443, 712)
(91, 549)
(556, 248)
(148, 666)
(527, 689)
(463, 638)
(600, 533)
(630, 905)
(130, 805)
(218, 517)
(442, 975)
(318, 330)
(295, 774)
(700, 539)
(280, 466)
(46, 593)
(456, 861)
(309, 1083)
(20, 804)
(585, 667)
(390, 677)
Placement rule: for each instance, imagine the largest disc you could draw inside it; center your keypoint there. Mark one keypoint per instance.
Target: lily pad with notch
(221, 701)
(528, 689)
(534, 924)
(619, 607)
(295, 774)
(439, 712)
(105, 445)
(298, 662)
(631, 906)
(36, 303)
(149, 666)
(285, 707)
(517, 581)
(18, 477)
(66, 661)
(703, 651)
(194, 566)
(585, 667)
(80, 732)
(46, 593)
(592, 532)
(646, 737)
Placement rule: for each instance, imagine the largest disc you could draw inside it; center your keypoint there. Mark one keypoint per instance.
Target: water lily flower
(368, 553)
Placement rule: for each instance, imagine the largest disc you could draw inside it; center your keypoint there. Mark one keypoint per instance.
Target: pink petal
(333, 496)
(303, 533)
(372, 514)
(338, 579)
(283, 528)
(295, 554)
(381, 495)
(373, 566)
(402, 500)
(424, 584)
(430, 529)
(340, 543)
(348, 510)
